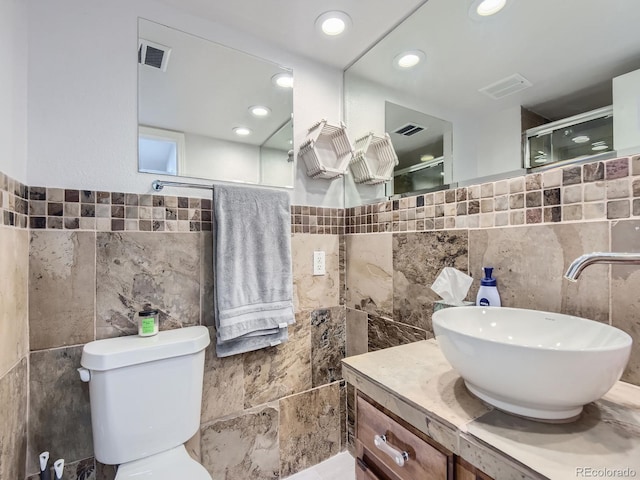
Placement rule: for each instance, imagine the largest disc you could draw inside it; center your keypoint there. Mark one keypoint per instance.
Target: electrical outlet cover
(319, 263)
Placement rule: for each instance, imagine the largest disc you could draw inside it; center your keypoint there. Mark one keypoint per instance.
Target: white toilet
(145, 396)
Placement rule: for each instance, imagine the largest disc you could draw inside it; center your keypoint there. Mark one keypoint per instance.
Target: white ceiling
(290, 24)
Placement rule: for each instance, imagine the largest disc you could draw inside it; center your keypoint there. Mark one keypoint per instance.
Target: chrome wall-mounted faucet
(580, 263)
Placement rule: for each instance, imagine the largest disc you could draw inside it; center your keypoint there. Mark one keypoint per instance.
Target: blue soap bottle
(488, 295)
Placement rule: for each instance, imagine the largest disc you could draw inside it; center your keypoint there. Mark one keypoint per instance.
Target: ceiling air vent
(153, 54)
(409, 129)
(506, 86)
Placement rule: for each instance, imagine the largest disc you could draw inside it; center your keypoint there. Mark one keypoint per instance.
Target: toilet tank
(145, 392)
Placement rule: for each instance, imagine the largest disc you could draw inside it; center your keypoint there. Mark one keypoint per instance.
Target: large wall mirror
(532, 63)
(212, 112)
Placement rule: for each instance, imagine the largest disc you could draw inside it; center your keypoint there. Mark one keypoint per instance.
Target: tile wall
(14, 202)
(14, 337)
(90, 260)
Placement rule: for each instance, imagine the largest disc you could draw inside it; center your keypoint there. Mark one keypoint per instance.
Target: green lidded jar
(148, 323)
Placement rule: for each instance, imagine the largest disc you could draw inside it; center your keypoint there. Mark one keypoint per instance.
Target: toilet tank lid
(120, 352)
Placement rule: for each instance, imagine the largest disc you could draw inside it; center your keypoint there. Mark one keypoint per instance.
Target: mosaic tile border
(605, 190)
(14, 202)
(58, 208)
(322, 220)
(68, 209)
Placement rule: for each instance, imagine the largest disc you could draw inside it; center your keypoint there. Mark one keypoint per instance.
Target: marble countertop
(416, 382)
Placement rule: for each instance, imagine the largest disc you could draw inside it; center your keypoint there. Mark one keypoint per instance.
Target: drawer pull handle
(380, 441)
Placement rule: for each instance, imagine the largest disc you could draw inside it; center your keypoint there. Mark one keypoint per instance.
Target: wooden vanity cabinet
(466, 471)
(382, 438)
(388, 448)
(364, 472)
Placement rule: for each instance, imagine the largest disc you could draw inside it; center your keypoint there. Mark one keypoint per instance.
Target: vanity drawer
(425, 462)
(363, 472)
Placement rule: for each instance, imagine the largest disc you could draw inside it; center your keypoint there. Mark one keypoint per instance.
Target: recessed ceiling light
(486, 8)
(541, 157)
(333, 23)
(259, 111)
(284, 80)
(408, 59)
(580, 139)
(481, 9)
(442, 173)
(242, 131)
(426, 158)
(598, 148)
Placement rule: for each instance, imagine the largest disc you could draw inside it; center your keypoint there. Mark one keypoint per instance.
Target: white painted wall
(497, 143)
(317, 94)
(82, 84)
(626, 113)
(13, 89)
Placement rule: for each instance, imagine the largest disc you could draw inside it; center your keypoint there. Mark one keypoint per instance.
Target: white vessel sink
(540, 365)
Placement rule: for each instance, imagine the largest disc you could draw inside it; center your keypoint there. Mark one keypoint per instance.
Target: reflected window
(160, 151)
(581, 137)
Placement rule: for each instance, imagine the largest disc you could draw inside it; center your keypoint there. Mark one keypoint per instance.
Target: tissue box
(440, 304)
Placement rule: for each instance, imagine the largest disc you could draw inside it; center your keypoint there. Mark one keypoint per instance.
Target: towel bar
(158, 185)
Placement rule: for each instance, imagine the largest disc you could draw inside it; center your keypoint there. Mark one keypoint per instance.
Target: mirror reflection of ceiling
(207, 89)
(568, 49)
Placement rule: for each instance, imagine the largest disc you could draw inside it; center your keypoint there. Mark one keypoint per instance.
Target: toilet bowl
(145, 395)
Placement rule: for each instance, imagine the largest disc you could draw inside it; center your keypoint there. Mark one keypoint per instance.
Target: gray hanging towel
(249, 343)
(253, 279)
